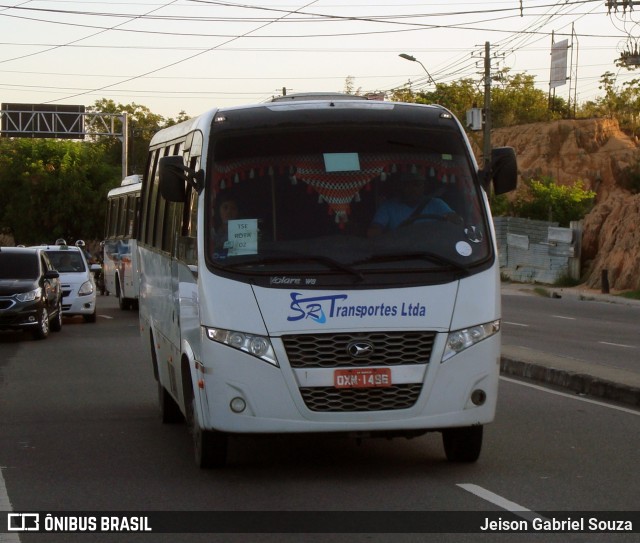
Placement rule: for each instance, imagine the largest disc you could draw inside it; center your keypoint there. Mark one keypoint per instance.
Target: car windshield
(18, 266)
(374, 200)
(66, 261)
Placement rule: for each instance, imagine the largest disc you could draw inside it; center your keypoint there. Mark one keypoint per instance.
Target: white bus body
(120, 252)
(293, 319)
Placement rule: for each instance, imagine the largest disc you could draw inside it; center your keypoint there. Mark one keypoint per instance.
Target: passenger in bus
(225, 209)
(410, 204)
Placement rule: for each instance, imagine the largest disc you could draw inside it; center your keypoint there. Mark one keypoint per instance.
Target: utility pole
(125, 145)
(486, 150)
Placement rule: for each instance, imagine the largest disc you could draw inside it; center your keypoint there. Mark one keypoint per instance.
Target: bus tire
(462, 444)
(210, 447)
(123, 303)
(169, 410)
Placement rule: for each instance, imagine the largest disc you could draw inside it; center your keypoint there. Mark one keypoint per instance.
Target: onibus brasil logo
(322, 308)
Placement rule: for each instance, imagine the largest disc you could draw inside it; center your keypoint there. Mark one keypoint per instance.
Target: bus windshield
(360, 201)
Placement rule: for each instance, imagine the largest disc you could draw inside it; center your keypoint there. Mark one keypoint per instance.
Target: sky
(194, 55)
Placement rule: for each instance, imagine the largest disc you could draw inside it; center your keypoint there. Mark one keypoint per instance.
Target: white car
(76, 279)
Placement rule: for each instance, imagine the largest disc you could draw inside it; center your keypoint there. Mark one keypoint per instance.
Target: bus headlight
(460, 340)
(258, 346)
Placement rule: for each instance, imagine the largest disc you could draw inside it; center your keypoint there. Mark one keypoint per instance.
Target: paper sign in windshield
(243, 237)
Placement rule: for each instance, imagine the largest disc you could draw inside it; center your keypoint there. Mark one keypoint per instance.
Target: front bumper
(19, 315)
(72, 304)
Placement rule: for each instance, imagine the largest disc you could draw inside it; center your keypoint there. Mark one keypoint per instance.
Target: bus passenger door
(185, 275)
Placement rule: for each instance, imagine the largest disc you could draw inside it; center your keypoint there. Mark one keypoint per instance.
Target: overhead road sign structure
(63, 122)
(43, 121)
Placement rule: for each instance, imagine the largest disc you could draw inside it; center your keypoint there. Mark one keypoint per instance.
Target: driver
(410, 204)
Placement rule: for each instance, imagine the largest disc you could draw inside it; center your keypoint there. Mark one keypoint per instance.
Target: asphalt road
(80, 430)
(590, 330)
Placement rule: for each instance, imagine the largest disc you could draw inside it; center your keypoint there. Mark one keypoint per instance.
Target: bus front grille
(306, 351)
(340, 400)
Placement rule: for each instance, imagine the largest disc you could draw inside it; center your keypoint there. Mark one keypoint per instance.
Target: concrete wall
(537, 251)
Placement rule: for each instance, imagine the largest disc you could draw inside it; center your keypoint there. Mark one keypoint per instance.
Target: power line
(176, 62)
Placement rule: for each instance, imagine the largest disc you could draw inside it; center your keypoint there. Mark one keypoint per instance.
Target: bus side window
(187, 246)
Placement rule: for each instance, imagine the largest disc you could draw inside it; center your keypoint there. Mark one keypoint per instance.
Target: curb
(579, 383)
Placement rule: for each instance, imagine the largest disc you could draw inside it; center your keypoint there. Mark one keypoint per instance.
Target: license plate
(362, 378)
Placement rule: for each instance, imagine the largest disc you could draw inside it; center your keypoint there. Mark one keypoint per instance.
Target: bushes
(542, 199)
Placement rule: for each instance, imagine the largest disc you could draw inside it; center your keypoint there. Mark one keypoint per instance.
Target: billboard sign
(558, 75)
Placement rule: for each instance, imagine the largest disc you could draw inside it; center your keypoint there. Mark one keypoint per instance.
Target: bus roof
(131, 179)
(132, 187)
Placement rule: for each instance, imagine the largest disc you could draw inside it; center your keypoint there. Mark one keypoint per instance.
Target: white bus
(120, 255)
(306, 311)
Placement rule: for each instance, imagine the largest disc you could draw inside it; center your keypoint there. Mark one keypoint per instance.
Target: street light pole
(414, 59)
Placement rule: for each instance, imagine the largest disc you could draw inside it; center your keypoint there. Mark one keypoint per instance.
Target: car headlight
(86, 289)
(460, 340)
(29, 296)
(258, 346)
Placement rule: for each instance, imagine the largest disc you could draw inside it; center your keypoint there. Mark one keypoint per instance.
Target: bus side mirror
(503, 172)
(504, 169)
(173, 174)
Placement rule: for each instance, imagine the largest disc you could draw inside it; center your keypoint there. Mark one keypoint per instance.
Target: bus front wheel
(462, 444)
(169, 411)
(210, 447)
(123, 303)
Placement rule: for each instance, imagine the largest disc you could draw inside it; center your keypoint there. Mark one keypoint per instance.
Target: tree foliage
(458, 96)
(58, 188)
(54, 189)
(142, 125)
(621, 103)
(543, 199)
(514, 99)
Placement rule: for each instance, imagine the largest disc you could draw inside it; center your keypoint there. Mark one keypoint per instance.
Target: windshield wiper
(295, 257)
(418, 255)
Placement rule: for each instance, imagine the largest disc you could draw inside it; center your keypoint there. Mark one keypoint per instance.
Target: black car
(30, 292)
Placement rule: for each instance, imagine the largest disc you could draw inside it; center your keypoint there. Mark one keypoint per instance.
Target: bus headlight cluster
(258, 346)
(460, 340)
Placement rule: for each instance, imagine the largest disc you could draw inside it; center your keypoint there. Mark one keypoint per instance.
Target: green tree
(142, 124)
(543, 199)
(515, 100)
(621, 103)
(458, 96)
(403, 94)
(54, 189)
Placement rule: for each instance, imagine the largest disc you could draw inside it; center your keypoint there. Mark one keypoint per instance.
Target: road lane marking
(505, 504)
(562, 317)
(5, 505)
(517, 324)
(572, 396)
(617, 345)
(105, 316)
